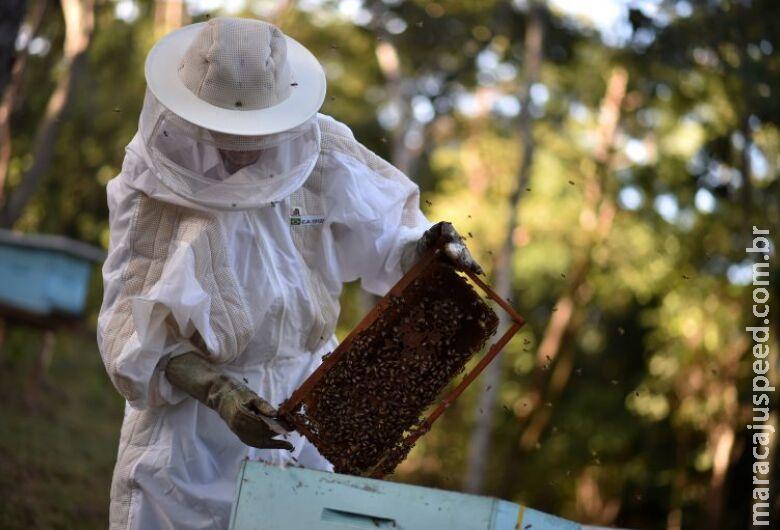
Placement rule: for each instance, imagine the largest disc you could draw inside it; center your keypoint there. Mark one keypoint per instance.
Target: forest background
(607, 161)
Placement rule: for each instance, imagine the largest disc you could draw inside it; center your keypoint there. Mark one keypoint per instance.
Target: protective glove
(249, 416)
(452, 245)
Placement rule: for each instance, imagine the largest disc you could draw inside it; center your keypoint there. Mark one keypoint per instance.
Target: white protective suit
(244, 268)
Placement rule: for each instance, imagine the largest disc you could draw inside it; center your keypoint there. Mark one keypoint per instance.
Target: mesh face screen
(198, 163)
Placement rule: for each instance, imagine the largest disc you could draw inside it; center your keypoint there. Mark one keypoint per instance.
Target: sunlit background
(606, 160)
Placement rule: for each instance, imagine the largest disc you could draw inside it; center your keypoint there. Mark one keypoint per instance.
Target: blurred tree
(12, 84)
(79, 24)
(11, 15)
(720, 80)
(556, 353)
(479, 444)
(168, 16)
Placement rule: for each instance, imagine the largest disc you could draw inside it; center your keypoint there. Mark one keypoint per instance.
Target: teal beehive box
(276, 498)
(44, 277)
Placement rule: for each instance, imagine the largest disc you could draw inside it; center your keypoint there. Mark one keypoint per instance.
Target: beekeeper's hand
(249, 416)
(452, 245)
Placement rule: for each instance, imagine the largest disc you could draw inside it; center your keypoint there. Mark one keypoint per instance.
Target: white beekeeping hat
(237, 76)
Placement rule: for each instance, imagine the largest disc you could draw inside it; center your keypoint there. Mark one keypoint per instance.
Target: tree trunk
(722, 442)
(479, 444)
(10, 92)
(11, 15)
(401, 156)
(41, 365)
(591, 506)
(168, 16)
(3, 331)
(79, 24)
(721, 434)
(555, 349)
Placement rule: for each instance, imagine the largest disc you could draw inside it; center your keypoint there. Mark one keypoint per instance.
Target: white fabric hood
(196, 164)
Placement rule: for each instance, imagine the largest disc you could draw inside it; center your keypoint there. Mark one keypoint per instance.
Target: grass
(57, 450)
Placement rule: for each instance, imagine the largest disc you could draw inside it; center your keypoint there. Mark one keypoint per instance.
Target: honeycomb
(362, 411)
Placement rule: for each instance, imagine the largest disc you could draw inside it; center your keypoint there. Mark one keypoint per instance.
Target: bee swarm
(364, 407)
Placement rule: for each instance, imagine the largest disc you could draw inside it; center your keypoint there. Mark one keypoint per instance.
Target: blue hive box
(44, 276)
(275, 498)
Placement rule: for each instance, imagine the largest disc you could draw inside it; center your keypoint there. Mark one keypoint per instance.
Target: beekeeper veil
(229, 117)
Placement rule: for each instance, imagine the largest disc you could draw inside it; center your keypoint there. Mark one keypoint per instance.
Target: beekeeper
(237, 216)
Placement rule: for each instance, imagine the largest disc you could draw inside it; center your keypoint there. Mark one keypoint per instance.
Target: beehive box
(44, 277)
(271, 497)
(363, 408)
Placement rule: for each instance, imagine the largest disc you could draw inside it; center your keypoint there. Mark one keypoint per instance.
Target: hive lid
(53, 243)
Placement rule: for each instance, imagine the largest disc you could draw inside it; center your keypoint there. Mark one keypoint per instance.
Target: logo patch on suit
(297, 219)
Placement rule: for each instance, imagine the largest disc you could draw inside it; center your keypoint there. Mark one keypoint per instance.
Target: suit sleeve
(161, 297)
(374, 216)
